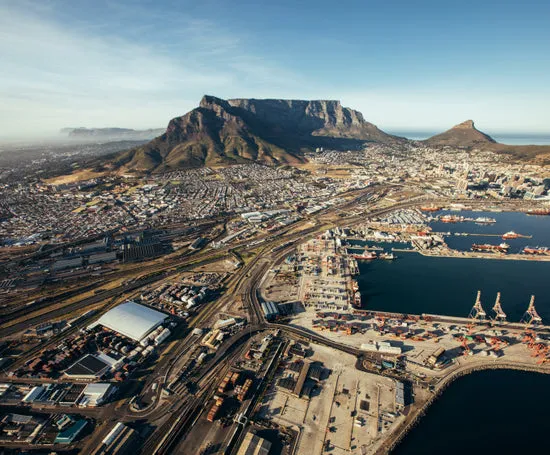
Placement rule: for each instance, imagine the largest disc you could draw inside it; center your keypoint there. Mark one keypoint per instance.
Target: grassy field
(77, 176)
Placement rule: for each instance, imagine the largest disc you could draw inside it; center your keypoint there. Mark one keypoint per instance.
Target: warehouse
(88, 367)
(270, 310)
(132, 320)
(95, 394)
(254, 445)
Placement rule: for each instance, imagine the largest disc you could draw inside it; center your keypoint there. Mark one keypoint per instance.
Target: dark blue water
(536, 226)
(418, 284)
(485, 413)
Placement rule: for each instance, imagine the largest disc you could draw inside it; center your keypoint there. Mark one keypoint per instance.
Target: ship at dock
(356, 295)
(387, 256)
(451, 219)
(536, 250)
(365, 256)
(514, 235)
(484, 220)
(541, 211)
(487, 247)
(430, 208)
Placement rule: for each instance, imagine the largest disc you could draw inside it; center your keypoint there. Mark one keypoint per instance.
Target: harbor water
(484, 413)
(445, 285)
(536, 227)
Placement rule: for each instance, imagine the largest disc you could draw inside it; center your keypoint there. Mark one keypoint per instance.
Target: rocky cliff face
(240, 130)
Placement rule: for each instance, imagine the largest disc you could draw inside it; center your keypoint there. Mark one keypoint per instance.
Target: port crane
(531, 316)
(500, 315)
(477, 312)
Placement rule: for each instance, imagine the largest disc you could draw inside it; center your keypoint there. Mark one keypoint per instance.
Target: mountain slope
(464, 134)
(222, 132)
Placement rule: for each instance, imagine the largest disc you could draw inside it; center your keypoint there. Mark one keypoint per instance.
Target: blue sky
(407, 65)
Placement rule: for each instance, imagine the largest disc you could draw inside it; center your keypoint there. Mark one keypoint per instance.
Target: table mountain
(270, 131)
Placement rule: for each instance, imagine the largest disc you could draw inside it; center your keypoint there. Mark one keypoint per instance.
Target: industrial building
(270, 310)
(89, 367)
(254, 445)
(69, 435)
(95, 394)
(132, 320)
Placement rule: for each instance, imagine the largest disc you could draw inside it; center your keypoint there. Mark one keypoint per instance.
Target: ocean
(503, 138)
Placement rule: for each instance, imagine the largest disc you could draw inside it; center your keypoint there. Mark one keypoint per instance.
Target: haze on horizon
(421, 67)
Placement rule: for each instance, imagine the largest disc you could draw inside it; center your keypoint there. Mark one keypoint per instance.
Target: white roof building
(95, 394)
(132, 320)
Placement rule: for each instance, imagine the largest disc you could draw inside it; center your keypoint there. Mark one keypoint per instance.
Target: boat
(536, 250)
(354, 285)
(502, 248)
(430, 208)
(510, 235)
(485, 220)
(374, 248)
(357, 299)
(451, 219)
(387, 256)
(541, 211)
(366, 256)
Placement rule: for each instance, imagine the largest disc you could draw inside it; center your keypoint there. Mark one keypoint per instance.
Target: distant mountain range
(275, 131)
(111, 133)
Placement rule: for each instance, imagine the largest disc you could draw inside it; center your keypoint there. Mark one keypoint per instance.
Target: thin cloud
(54, 74)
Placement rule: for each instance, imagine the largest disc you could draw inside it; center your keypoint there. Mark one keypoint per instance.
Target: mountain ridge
(269, 131)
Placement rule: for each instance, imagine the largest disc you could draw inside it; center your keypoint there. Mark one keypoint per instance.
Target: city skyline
(424, 68)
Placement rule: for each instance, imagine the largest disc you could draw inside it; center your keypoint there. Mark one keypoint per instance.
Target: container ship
(502, 248)
(541, 211)
(536, 250)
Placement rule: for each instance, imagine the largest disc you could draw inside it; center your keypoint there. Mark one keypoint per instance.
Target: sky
(406, 65)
